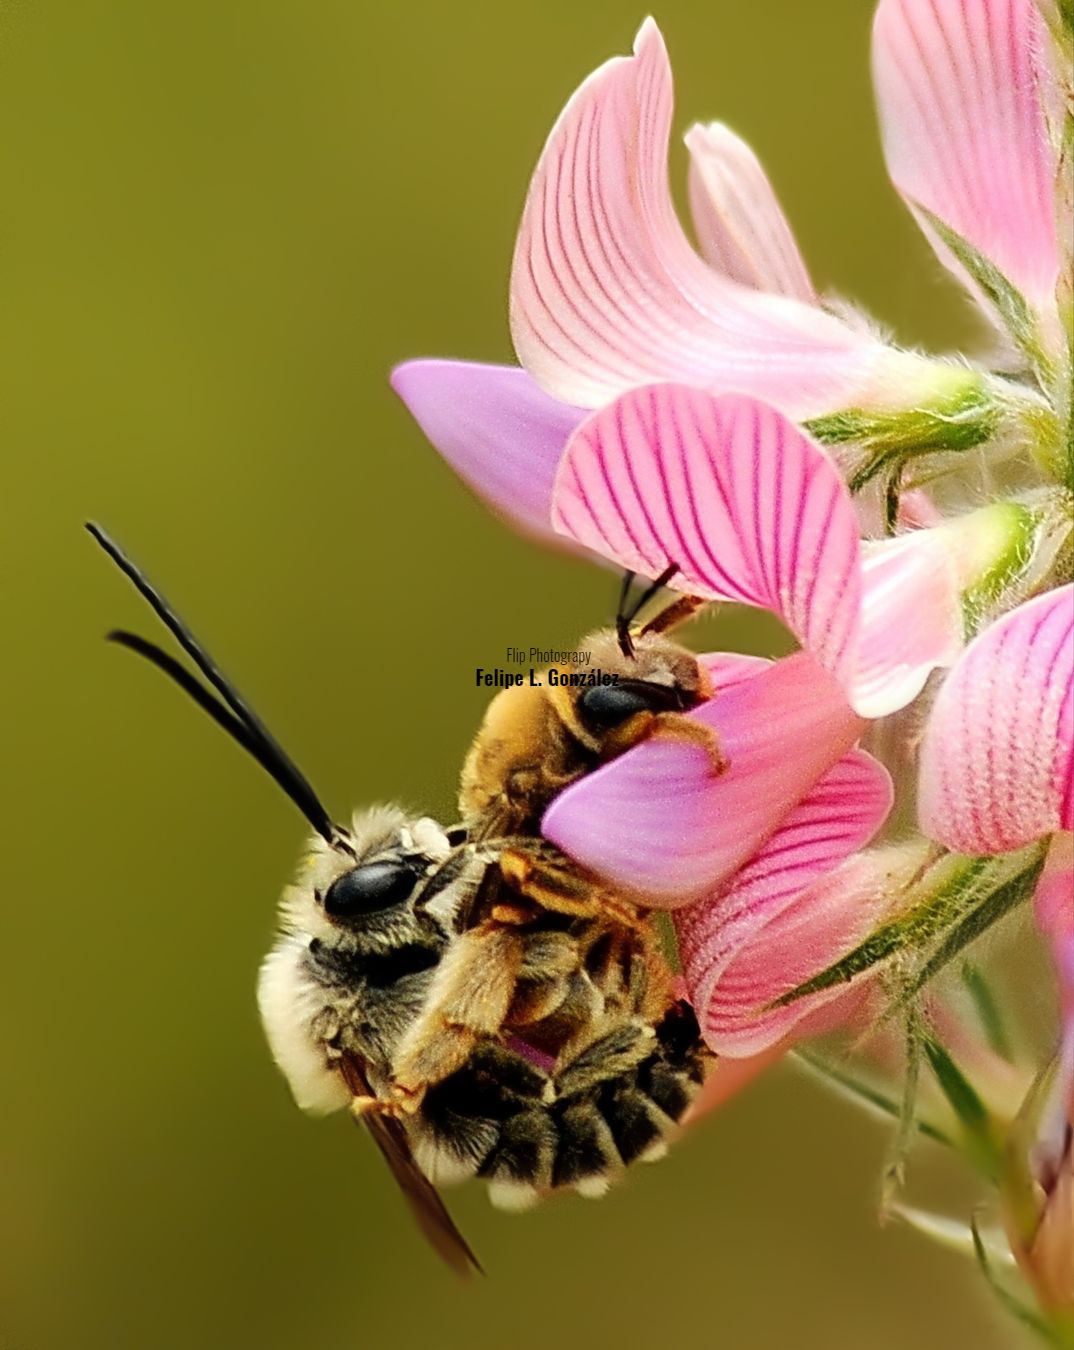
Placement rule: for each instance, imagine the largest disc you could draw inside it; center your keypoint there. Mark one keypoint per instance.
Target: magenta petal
(998, 754)
(740, 224)
(746, 504)
(501, 434)
(607, 293)
(766, 935)
(658, 822)
(959, 88)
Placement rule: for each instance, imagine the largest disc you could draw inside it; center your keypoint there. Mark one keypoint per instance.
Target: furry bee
(534, 741)
(567, 1061)
(588, 1085)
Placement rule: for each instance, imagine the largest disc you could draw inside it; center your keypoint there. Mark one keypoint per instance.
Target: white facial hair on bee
(296, 992)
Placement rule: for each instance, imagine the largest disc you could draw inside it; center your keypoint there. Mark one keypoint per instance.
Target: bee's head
(641, 670)
(656, 675)
(354, 908)
(358, 890)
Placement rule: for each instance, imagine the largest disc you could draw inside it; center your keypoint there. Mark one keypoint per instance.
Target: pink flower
(607, 293)
(752, 510)
(997, 759)
(694, 363)
(997, 773)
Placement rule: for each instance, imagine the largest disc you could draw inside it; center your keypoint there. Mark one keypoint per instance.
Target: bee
(535, 740)
(559, 1073)
(587, 1084)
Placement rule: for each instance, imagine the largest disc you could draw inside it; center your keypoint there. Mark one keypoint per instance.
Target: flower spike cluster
(706, 410)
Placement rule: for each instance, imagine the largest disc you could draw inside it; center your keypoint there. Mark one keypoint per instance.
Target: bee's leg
(469, 998)
(607, 1056)
(375, 1106)
(563, 888)
(679, 611)
(604, 1121)
(518, 806)
(632, 973)
(547, 978)
(669, 726)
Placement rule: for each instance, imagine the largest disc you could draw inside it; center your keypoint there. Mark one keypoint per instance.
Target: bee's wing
(422, 1197)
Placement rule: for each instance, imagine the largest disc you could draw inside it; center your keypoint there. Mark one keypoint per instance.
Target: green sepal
(1018, 1186)
(1018, 525)
(948, 887)
(957, 899)
(890, 437)
(1009, 303)
(998, 902)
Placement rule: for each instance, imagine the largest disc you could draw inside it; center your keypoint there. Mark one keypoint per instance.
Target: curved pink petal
(751, 510)
(499, 431)
(761, 939)
(958, 86)
(658, 822)
(606, 291)
(788, 913)
(746, 504)
(741, 228)
(998, 754)
(911, 619)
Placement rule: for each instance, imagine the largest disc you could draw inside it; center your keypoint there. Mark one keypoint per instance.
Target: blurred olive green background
(221, 224)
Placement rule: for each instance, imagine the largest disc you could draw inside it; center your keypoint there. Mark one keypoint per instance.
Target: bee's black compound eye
(370, 888)
(608, 705)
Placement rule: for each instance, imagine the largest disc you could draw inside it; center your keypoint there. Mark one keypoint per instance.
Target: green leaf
(983, 1139)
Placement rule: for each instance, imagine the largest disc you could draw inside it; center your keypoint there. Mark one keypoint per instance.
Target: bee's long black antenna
(624, 617)
(230, 711)
(622, 622)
